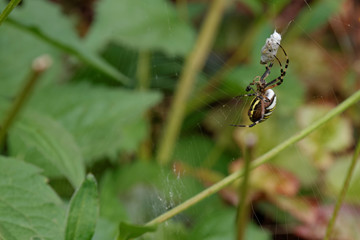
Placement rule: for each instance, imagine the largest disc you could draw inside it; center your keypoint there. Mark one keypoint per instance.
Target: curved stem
(11, 5)
(259, 161)
(193, 65)
(343, 192)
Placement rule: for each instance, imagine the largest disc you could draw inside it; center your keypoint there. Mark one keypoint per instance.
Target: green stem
(259, 161)
(143, 70)
(143, 76)
(81, 54)
(39, 66)
(11, 5)
(193, 65)
(343, 192)
(242, 216)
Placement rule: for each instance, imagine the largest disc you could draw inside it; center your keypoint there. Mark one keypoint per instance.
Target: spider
(264, 103)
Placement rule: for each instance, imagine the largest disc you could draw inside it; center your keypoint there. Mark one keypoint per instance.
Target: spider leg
(264, 98)
(259, 79)
(249, 87)
(266, 73)
(245, 95)
(277, 81)
(280, 79)
(249, 126)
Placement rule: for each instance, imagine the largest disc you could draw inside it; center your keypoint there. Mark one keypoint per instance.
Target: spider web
(305, 171)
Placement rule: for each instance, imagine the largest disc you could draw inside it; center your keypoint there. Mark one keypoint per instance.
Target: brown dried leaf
(347, 226)
(271, 180)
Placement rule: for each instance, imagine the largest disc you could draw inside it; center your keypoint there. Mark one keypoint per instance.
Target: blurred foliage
(88, 114)
(112, 115)
(142, 25)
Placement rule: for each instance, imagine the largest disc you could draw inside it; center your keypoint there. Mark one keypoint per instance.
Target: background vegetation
(132, 119)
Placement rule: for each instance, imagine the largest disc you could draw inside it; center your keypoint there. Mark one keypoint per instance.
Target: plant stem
(143, 76)
(40, 64)
(259, 161)
(11, 5)
(143, 70)
(193, 65)
(77, 51)
(343, 192)
(242, 215)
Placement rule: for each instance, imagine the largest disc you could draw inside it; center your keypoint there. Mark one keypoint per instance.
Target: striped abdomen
(255, 107)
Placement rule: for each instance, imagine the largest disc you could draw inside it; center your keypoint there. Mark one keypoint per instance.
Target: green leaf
(128, 231)
(144, 25)
(45, 21)
(29, 207)
(103, 120)
(83, 211)
(105, 230)
(44, 142)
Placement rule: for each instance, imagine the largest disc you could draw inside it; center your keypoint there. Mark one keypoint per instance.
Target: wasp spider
(264, 102)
